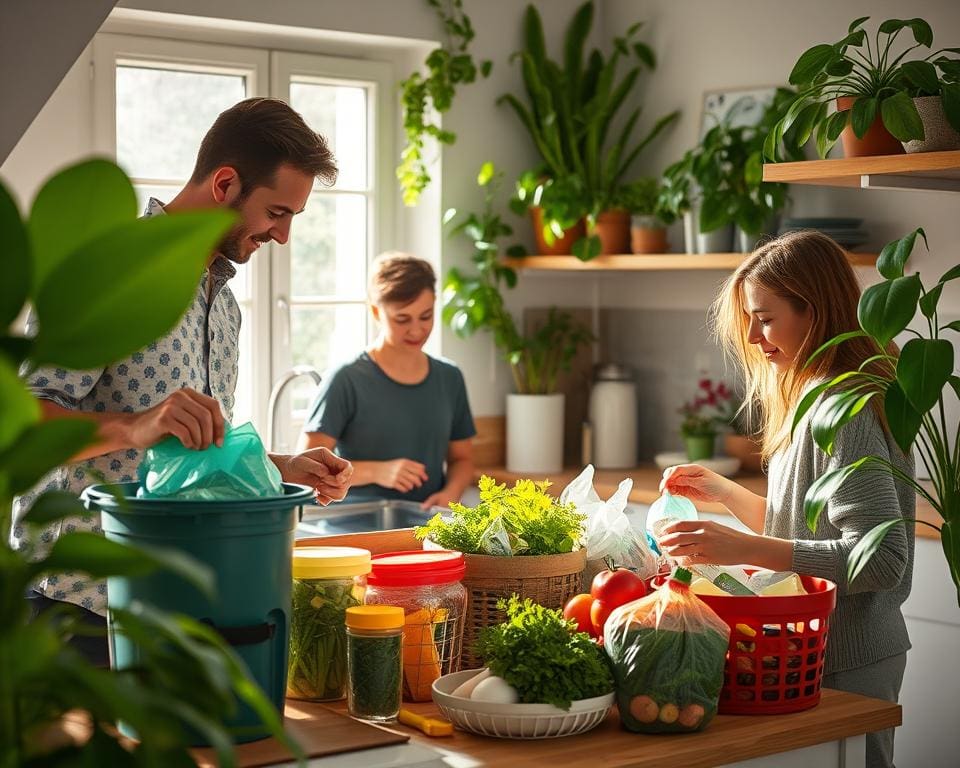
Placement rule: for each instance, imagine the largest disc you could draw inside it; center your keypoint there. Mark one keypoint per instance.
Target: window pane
(243, 406)
(164, 194)
(329, 246)
(339, 114)
(163, 114)
(322, 336)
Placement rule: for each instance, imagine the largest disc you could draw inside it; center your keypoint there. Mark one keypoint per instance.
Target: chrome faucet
(296, 372)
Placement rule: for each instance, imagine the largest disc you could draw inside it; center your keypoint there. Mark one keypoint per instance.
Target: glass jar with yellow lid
(326, 582)
(374, 648)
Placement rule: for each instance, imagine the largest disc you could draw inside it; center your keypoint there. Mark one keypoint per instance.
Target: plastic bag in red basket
(668, 652)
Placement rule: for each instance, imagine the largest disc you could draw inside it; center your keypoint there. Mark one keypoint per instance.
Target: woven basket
(550, 580)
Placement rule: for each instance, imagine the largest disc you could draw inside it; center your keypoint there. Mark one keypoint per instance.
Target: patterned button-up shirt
(200, 352)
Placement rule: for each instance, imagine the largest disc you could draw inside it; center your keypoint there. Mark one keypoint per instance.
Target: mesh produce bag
(667, 651)
(240, 469)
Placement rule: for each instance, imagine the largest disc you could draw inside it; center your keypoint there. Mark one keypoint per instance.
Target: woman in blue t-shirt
(398, 414)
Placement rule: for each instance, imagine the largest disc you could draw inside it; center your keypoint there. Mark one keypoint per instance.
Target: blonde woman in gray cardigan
(785, 300)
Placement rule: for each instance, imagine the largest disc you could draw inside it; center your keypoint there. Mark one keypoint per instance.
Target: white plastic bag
(609, 533)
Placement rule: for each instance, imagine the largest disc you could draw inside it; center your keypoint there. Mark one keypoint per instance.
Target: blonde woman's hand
(690, 542)
(696, 483)
(402, 474)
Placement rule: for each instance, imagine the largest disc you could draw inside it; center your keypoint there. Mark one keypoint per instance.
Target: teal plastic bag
(240, 469)
(664, 510)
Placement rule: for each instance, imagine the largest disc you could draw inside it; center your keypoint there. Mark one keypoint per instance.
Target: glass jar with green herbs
(326, 582)
(375, 661)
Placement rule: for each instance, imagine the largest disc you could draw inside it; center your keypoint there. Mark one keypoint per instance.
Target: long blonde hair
(807, 269)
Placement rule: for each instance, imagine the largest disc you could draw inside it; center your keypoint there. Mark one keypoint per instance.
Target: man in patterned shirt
(259, 159)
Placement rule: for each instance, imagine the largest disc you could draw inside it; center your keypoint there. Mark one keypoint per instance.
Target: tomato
(578, 609)
(617, 587)
(599, 612)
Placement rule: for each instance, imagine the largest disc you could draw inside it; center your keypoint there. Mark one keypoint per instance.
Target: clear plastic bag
(667, 652)
(609, 534)
(240, 469)
(664, 510)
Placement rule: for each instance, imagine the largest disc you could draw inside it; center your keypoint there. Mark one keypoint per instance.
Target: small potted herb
(648, 216)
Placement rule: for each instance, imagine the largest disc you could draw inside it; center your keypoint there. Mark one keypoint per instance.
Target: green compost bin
(248, 543)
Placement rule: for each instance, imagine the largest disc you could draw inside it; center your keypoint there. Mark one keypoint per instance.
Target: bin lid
(417, 567)
(330, 562)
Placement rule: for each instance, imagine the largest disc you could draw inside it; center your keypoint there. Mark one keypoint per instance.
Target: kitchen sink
(382, 515)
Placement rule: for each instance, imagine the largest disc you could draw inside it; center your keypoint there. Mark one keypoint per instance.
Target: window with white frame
(303, 302)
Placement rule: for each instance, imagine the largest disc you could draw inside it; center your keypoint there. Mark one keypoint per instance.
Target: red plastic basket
(777, 644)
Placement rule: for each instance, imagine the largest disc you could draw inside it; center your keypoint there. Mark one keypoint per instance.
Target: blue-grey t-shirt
(374, 418)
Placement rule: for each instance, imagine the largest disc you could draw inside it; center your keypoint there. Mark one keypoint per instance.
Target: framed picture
(735, 106)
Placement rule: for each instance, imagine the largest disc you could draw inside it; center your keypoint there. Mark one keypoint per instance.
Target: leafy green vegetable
(523, 520)
(538, 652)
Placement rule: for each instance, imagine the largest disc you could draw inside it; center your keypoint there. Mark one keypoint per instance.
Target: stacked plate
(847, 232)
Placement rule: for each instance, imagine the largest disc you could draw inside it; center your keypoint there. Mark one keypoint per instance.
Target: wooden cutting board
(319, 731)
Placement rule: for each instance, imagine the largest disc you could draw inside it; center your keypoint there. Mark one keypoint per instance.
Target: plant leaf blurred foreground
(912, 386)
(103, 284)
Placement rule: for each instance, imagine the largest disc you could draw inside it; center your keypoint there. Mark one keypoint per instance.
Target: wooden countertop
(646, 489)
(728, 739)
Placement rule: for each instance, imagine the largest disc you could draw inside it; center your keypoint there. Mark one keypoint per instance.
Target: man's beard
(231, 246)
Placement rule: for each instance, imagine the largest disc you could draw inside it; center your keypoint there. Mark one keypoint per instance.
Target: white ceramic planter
(535, 434)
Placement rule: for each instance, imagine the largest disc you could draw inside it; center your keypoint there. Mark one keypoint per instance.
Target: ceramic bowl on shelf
(516, 721)
(722, 465)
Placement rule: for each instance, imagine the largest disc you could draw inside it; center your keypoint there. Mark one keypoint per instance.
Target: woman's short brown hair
(256, 137)
(399, 278)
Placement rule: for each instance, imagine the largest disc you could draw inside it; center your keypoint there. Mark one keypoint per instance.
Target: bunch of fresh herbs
(523, 520)
(541, 655)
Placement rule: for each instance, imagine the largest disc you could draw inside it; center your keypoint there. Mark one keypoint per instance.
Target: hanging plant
(448, 67)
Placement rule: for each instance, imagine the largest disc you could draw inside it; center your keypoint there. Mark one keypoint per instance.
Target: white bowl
(516, 721)
(722, 465)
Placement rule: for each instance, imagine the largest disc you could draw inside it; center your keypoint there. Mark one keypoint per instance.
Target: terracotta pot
(561, 246)
(876, 141)
(744, 448)
(938, 134)
(613, 229)
(647, 235)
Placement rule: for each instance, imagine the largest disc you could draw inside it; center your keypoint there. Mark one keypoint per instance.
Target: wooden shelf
(939, 171)
(639, 262)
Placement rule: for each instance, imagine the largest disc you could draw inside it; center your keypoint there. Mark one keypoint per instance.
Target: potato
(644, 709)
(690, 716)
(669, 713)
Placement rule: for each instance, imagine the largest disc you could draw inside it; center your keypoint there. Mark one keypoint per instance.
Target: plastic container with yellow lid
(374, 656)
(326, 582)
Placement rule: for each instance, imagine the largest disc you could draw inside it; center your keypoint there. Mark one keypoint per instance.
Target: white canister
(613, 417)
(535, 434)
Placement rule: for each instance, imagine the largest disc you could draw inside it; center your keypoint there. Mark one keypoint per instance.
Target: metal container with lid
(613, 416)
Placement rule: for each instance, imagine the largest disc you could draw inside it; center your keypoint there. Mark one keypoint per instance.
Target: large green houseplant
(913, 386)
(876, 75)
(103, 284)
(569, 110)
(474, 302)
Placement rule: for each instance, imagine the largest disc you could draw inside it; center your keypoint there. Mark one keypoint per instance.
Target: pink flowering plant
(711, 409)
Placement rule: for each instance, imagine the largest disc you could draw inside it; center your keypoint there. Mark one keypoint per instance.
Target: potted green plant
(516, 540)
(870, 83)
(935, 89)
(474, 302)
(93, 308)
(912, 386)
(703, 418)
(649, 219)
(569, 112)
(719, 183)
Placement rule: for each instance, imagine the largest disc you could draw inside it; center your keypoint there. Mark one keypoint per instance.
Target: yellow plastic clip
(429, 725)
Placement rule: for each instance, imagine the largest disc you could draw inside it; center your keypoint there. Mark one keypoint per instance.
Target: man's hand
(402, 474)
(321, 469)
(186, 414)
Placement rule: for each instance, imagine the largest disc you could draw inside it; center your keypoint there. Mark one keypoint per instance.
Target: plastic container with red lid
(426, 584)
